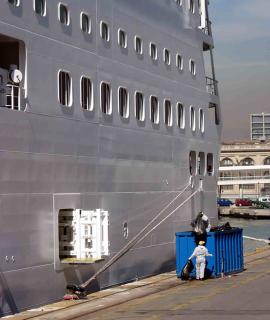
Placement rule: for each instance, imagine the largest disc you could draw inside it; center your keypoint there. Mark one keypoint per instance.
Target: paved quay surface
(241, 296)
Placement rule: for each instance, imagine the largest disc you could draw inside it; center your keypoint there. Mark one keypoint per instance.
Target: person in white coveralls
(200, 252)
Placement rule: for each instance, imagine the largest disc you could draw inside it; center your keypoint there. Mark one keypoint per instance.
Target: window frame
(70, 95)
(91, 105)
(126, 114)
(201, 120)
(89, 29)
(142, 118)
(168, 119)
(108, 110)
(181, 122)
(154, 46)
(42, 14)
(16, 3)
(177, 57)
(191, 6)
(120, 30)
(141, 44)
(154, 116)
(192, 118)
(179, 2)
(167, 56)
(63, 5)
(104, 23)
(192, 67)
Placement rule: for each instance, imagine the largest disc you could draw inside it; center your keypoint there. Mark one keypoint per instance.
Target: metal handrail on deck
(13, 97)
(211, 85)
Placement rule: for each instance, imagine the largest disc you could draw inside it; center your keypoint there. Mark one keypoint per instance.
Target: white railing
(13, 96)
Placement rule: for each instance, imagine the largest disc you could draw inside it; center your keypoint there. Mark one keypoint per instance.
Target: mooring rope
(136, 238)
(257, 239)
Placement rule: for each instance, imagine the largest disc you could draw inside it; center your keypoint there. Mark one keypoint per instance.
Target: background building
(244, 169)
(260, 126)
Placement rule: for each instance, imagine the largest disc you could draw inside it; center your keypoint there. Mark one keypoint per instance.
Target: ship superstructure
(107, 109)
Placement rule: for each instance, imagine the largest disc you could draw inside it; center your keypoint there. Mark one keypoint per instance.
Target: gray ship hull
(55, 157)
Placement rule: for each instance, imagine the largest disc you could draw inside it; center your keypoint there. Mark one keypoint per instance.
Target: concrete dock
(244, 212)
(241, 296)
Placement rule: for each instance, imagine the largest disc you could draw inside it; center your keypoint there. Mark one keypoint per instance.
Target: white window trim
(15, 5)
(192, 124)
(201, 120)
(183, 122)
(164, 57)
(110, 105)
(176, 61)
(68, 13)
(158, 119)
(135, 37)
(127, 114)
(143, 113)
(92, 94)
(170, 123)
(192, 10)
(45, 8)
(190, 69)
(90, 22)
(203, 173)
(71, 89)
(125, 45)
(156, 53)
(179, 3)
(100, 30)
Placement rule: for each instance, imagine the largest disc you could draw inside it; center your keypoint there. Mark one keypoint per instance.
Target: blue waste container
(226, 247)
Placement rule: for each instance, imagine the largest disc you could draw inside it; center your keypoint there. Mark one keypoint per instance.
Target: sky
(241, 31)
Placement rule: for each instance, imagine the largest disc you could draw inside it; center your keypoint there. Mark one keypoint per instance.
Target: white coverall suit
(200, 252)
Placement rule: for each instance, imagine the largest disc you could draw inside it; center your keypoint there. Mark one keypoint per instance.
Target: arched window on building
(247, 162)
(266, 161)
(226, 162)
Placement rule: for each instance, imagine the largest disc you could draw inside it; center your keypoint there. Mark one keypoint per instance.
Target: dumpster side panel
(226, 247)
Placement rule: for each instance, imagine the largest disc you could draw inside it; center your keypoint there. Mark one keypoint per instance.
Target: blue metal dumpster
(226, 247)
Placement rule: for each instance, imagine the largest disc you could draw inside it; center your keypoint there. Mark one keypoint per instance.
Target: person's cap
(201, 242)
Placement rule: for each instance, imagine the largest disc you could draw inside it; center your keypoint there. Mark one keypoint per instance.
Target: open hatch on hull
(83, 236)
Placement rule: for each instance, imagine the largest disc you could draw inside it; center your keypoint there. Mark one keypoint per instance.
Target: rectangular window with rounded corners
(153, 51)
(63, 14)
(64, 88)
(167, 56)
(138, 45)
(210, 164)
(192, 119)
(179, 61)
(201, 120)
(86, 94)
(123, 102)
(192, 6)
(192, 67)
(40, 7)
(168, 117)
(192, 163)
(122, 38)
(139, 106)
(201, 163)
(106, 98)
(15, 3)
(180, 115)
(104, 31)
(154, 109)
(85, 23)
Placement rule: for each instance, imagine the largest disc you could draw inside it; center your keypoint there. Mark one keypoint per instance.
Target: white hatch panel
(83, 235)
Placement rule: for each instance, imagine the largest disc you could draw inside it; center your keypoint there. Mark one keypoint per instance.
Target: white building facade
(244, 170)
